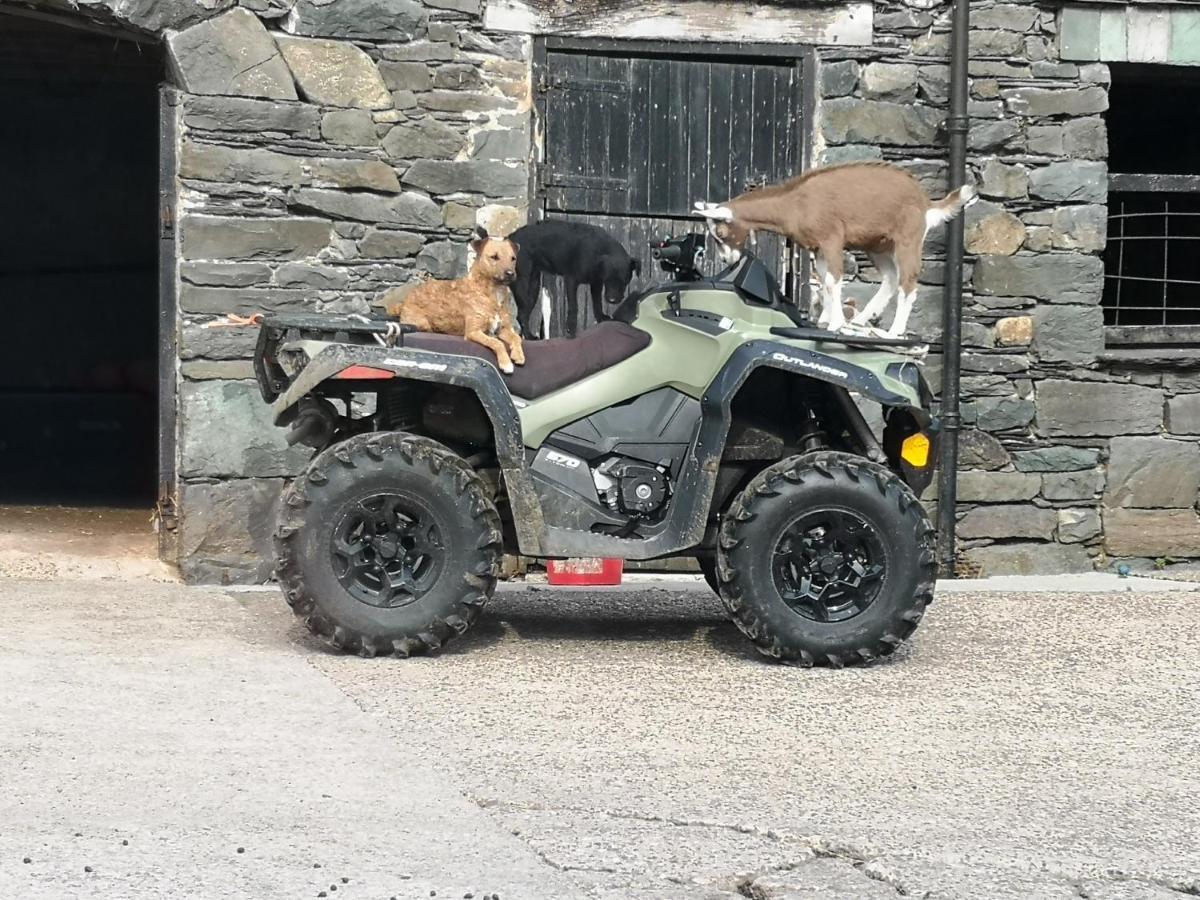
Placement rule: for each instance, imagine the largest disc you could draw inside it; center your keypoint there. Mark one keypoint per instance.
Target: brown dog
(477, 307)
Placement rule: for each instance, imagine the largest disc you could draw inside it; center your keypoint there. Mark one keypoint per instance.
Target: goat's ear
(635, 265)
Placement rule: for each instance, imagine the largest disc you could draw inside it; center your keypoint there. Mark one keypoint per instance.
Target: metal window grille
(1152, 259)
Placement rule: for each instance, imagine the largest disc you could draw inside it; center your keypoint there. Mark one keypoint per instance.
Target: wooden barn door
(631, 139)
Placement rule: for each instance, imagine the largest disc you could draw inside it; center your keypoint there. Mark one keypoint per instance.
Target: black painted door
(631, 141)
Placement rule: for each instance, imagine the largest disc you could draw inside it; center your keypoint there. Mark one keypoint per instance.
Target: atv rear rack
(281, 329)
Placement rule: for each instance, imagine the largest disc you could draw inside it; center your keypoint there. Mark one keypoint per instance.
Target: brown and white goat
(870, 206)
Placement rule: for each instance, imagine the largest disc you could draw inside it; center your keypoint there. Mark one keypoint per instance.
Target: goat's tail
(949, 206)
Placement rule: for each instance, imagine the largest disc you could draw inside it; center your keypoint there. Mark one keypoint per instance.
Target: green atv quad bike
(708, 419)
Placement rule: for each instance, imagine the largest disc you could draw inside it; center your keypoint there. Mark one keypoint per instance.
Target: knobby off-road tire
(826, 559)
(708, 568)
(388, 543)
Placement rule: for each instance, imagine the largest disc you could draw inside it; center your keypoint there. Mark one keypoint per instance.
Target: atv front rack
(282, 329)
(821, 336)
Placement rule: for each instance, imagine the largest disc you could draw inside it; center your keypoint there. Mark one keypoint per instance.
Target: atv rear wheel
(388, 543)
(826, 559)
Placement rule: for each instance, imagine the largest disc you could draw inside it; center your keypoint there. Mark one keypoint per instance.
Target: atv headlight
(915, 450)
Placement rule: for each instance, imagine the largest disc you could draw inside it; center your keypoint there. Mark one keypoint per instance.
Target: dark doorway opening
(78, 265)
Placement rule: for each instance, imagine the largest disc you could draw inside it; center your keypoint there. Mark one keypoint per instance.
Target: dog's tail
(949, 206)
(546, 304)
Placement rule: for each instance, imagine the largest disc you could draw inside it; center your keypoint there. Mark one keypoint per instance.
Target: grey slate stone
(994, 135)
(219, 237)
(334, 73)
(1058, 277)
(476, 176)
(222, 370)
(422, 139)
(470, 7)
(380, 244)
(319, 278)
(854, 121)
(212, 162)
(889, 81)
(406, 76)
(423, 51)
(375, 20)
(1007, 182)
(1076, 525)
(1030, 559)
(1148, 472)
(198, 342)
(1079, 228)
(362, 174)
(218, 301)
(1083, 485)
(1074, 181)
(250, 445)
(457, 77)
(1086, 138)
(906, 21)
(405, 209)
(1056, 459)
(934, 83)
(226, 529)
(232, 54)
(463, 101)
(443, 259)
(224, 274)
(1034, 101)
(1152, 532)
(844, 153)
(268, 9)
(1080, 408)
(996, 42)
(157, 15)
(1072, 334)
(246, 115)
(997, 487)
(503, 143)
(1183, 414)
(1046, 139)
(1005, 16)
(838, 79)
(349, 127)
(980, 450)
(1007, 520)
(1002, 413)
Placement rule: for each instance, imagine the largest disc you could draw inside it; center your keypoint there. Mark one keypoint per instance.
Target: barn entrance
(78, 266)
(632, 137)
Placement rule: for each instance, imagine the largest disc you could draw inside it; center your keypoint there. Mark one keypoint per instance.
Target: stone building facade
(327, 149)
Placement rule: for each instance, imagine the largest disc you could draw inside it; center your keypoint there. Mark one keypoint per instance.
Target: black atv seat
(549, 365)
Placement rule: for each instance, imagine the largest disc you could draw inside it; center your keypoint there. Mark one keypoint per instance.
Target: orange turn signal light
(361, 373)
(915, 450)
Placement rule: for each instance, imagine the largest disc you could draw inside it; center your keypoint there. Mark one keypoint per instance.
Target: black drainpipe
(956, 128)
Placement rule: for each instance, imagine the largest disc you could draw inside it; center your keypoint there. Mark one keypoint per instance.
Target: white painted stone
(703, 20)
(1149, 35)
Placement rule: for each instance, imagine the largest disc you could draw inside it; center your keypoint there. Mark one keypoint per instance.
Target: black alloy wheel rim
(387, 551)
(828, 564)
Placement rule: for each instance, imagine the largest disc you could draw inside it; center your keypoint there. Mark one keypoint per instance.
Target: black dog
(582, 255)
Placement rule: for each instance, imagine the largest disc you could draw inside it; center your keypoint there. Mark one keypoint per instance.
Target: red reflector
(585, 571)
(363, 372)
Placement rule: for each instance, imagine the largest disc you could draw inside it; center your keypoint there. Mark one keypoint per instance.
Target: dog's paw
(506, 368)
(518, 359)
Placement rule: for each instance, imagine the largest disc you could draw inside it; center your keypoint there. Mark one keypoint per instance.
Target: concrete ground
(164, 741)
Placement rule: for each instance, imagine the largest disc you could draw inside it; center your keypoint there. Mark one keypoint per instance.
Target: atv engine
(631, 487)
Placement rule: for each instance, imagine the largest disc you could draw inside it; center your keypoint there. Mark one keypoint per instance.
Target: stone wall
(1068, 461)
(329, 150)
(325, 155)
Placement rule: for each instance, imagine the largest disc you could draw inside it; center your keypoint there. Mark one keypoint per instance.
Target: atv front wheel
(826, 559)
(388, 543)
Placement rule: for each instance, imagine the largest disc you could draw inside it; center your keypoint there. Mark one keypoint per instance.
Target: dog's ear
(481, 233)
(516, 246)
(477, 245)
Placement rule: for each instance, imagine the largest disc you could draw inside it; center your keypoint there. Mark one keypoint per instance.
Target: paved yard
(192, 743)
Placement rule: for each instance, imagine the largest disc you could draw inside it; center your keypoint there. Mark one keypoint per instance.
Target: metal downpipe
(956, 128)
